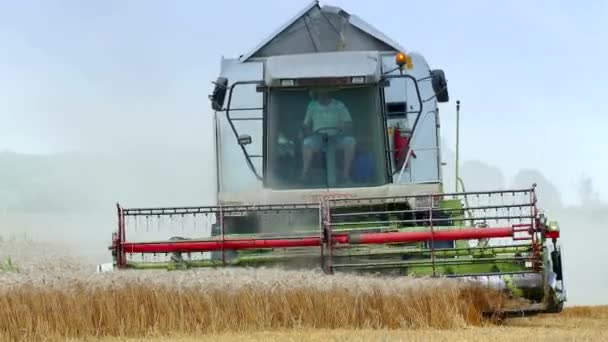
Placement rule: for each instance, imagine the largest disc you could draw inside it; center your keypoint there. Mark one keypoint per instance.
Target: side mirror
(219, 94)
(440, 85)
(244, 139)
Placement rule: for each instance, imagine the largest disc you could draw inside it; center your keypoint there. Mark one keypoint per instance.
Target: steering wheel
(326, 130)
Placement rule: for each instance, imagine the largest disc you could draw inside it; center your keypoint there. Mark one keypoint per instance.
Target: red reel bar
(464, 234)
(315, 241)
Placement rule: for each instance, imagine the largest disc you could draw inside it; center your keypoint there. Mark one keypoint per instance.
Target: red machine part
(314, 241)
(401, 146)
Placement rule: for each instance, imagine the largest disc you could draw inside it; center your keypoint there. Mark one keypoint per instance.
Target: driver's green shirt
(326, 116)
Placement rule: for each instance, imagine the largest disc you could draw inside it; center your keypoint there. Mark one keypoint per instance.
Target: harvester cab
(327, 155)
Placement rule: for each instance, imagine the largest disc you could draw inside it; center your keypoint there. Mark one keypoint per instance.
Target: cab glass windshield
(325, 138)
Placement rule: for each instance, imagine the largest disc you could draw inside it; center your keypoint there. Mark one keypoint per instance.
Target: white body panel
(328, 64)
(269, 196)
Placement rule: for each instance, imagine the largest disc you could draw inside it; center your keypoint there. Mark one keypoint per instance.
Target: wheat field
(574, 324)
(48, 294)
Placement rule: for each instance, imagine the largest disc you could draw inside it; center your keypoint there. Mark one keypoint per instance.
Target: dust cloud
(583, 226)
(70, 198)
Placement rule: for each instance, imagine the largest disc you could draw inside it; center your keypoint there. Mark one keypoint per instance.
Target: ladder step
(245, 109)
(247, 119)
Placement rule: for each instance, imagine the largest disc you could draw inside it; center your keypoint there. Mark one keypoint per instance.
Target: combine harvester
(327, 155)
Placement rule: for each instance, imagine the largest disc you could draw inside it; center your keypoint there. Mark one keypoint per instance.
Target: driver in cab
(326, 116)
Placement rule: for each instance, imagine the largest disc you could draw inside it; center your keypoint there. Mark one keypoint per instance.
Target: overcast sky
(97, 75)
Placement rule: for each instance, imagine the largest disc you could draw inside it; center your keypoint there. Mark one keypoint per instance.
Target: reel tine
(194, 223)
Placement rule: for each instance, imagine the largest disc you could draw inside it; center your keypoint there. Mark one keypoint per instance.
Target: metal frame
(121, 247)
(388, 151)
(336, 235)
(388, 160)
(530, 226)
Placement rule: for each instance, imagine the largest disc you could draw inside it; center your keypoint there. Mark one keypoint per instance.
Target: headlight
(288, 83)
(358, 80)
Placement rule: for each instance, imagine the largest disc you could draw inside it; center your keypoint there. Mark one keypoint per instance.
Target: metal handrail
(236, 134)
(410, 149)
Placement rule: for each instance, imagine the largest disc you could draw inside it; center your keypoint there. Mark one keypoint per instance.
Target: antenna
(457, 143)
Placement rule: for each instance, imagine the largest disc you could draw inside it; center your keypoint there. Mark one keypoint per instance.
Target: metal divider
(431, 200)
(327, 237)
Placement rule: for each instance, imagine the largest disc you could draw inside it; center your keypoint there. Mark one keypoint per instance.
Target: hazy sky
(83, 75)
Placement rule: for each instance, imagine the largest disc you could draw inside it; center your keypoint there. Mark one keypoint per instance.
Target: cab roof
(325, 28)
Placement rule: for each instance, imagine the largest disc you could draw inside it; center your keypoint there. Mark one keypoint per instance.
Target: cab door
(239, 130)
(410, 112)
